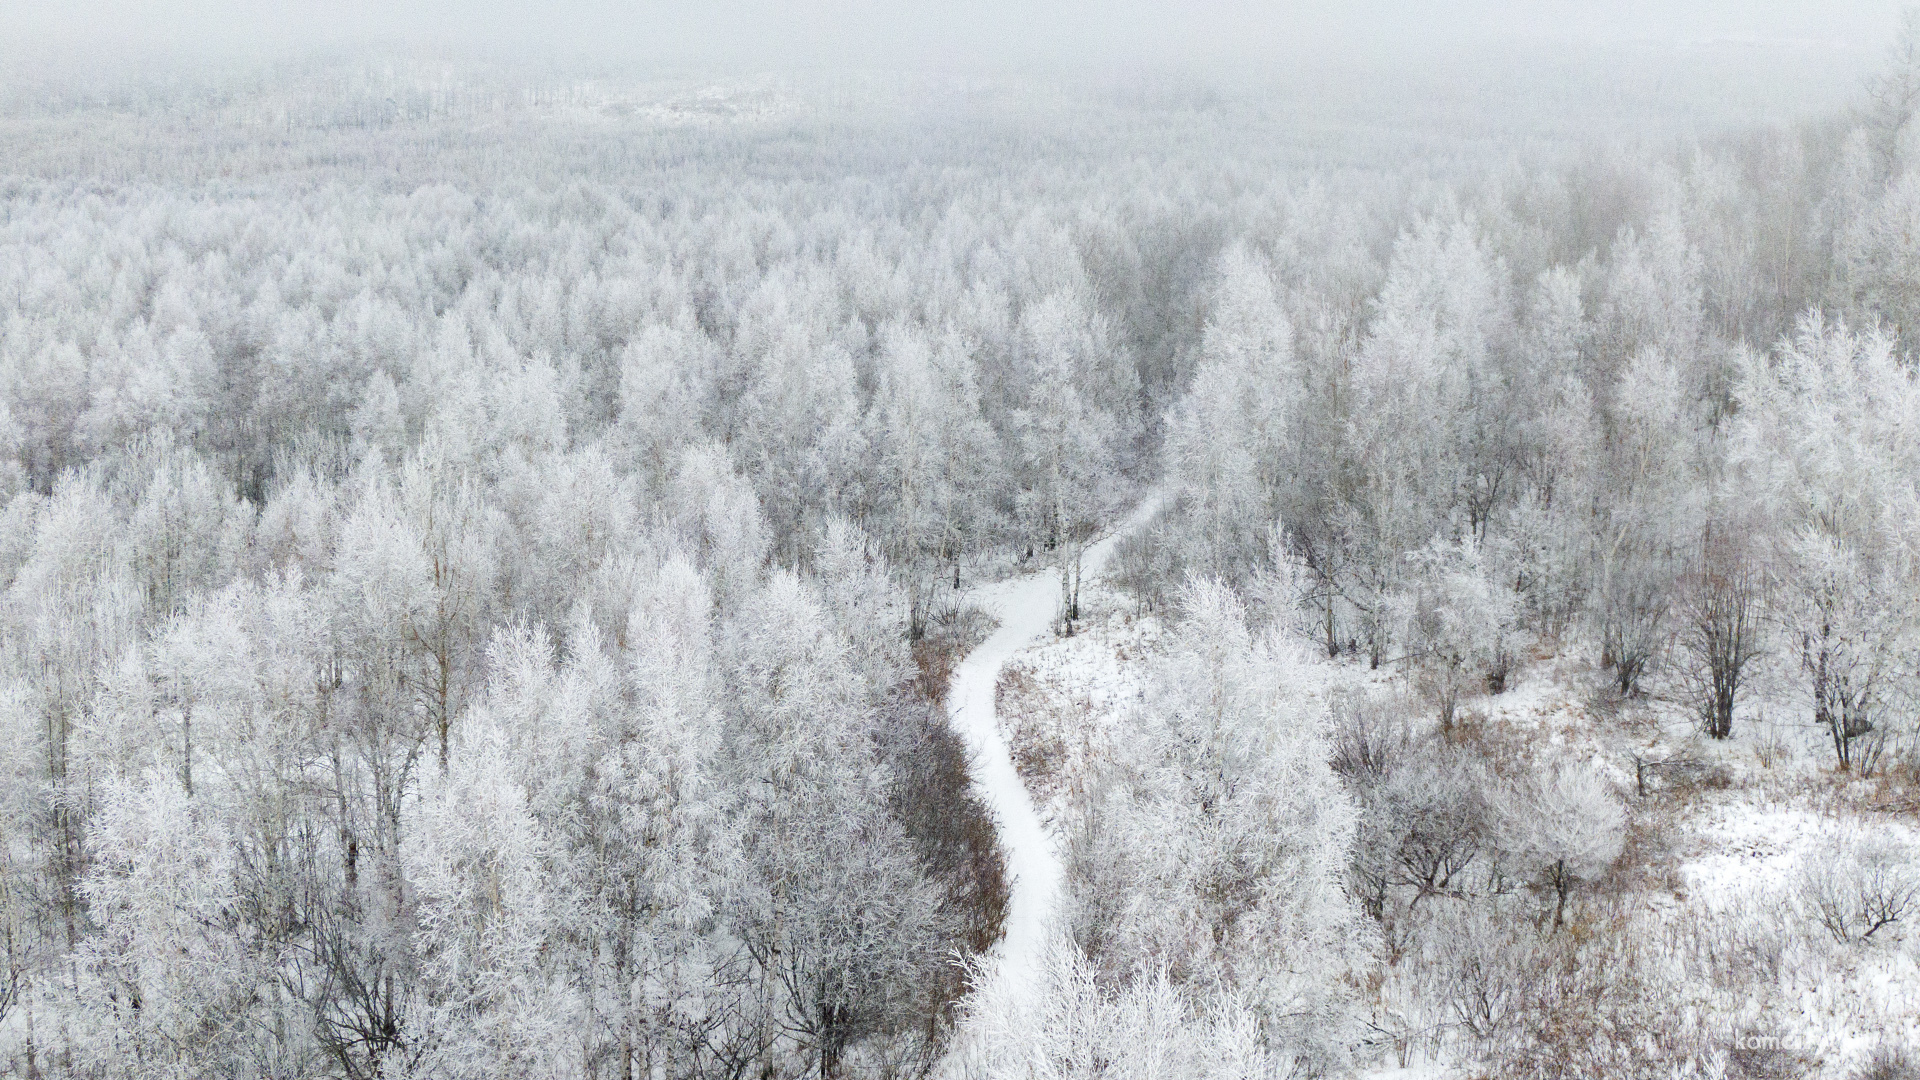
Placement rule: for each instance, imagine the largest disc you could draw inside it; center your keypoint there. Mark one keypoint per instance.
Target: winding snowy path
(1025, 607)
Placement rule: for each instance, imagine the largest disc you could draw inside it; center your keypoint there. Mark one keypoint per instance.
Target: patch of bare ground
(1034, 712)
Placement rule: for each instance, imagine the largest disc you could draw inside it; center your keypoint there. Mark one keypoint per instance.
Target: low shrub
(1860, 886)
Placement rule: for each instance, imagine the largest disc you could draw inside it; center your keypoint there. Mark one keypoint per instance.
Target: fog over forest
(1047, 38)
(967, 542)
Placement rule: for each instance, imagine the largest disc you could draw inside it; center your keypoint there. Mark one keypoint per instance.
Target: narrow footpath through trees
(1025, 607)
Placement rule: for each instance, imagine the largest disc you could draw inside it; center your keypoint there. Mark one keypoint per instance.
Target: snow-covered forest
(484, 556)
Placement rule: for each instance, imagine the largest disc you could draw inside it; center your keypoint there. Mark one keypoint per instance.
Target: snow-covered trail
(1025, 607)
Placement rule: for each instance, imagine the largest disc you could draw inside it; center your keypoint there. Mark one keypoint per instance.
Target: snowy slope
(1025, 607)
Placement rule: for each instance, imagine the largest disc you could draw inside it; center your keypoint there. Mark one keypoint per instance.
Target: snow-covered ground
(1059, 699)
(1765, 804)
(1025, 608)
(1737, 838)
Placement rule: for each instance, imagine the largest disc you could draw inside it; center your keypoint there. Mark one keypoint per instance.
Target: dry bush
(1722, 626)
(1742, 951)
(1038, 755)
(1648, 860)
(933, 797)
(1889, 1063)
(1868, 753)
(1029, 719)
(949, 637)
(1680, 774)
(1895, 785)
(1770, 745)
(1370, 734)
(1605, 706)
(954, 834)
(1607, 999)
(1767, 1063)
(1014, 691)
(1509, 751)
(1149, 564)
(1425, 813)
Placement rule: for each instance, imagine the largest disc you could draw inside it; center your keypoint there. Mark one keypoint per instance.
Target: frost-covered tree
(653, 854)
(1565, 827)
(166, 982)
(1721, 625)
(665, 375)
(186, 535)
(1428, 444)
(1218, 861)
(1654, 292)
(416, 577)
(1461, 624)
(1825, 451)
(1069, 437)
(832, 911)
(719, 515)
(858, 591)
(1649, 510)
(489, 914)
(935, 448)
(1233, 442)
(1850, 632)
(1072, 1025)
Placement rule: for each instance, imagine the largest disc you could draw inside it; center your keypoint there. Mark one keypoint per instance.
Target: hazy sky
(929, 33)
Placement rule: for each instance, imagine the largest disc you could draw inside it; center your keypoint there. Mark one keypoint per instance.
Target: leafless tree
(1721, 631)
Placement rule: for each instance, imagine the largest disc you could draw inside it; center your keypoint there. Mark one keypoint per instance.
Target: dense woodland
(477, 565)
